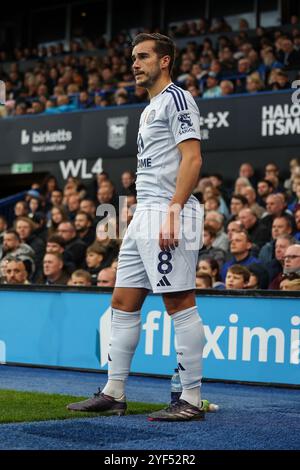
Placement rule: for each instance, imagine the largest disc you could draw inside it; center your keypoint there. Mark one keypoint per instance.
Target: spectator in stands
(240, 250)
(21, 209)
(281, 225)
(275, 266)
(216, 220)
(25, 228)
(211, 267)
(106, 277)
(85, 100)
(53, 273)
(3, 227)
(292, 260)
(237, 203)
(227, 60)
(271, 169)
(264, 189)
(13, 247)
(80, 278)
(254, 83)
(246, 170)
(140, 95)
(106, 195)
(250, 194)
(288, 55)
(95, 260)
(243, 24)
(73, 245)
(297, 222)
(290, 284)
(295, 205)
(220, 25)
(227, 88)
(56, 198)
(254, 228)
(73, 204)
(84, 227)
(49, 184)
(56, 244)
(121, 97)
(128, 182)
(259, 278)
(241, 183)
(203, 280)
(64, 105)
(276, 207)
(209, 236)
(15, 272)
(243, 70)
(235, 226)
(212, 90)
(281, 81)
(88, 206)
(58, 215)
(237, 277)
(294, 171)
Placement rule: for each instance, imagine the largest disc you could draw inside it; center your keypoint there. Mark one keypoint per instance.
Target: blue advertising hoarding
(252, 339)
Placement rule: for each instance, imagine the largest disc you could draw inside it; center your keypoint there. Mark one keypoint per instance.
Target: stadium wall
(251, 337)
(259, 128)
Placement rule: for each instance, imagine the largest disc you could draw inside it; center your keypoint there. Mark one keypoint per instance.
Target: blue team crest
(150, 118)
(185, 119)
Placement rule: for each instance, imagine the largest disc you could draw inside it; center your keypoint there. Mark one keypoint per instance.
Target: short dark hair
(163, 45)
(56, 239)
(88, 216)
(11, 231)
(240, 198)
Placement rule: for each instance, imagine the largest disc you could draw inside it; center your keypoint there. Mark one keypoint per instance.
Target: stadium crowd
(251, 231)
(96, 73)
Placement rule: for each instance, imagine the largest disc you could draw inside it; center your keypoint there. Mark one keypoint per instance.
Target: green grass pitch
(18, 407)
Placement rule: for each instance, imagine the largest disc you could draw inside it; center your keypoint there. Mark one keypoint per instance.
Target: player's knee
(119, 303)
(176, 302)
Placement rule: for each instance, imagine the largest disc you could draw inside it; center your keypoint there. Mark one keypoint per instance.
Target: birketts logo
(280, 120)
(25, 138)
(46, 141)
(47, 137)
(117, 130)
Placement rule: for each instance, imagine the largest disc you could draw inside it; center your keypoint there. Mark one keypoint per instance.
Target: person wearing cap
(213, 90)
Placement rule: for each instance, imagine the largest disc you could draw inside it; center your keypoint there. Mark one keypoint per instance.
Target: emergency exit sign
(18, 168)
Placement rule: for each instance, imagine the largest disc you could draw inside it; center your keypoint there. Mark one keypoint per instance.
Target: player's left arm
(189, 171)
(187, 178)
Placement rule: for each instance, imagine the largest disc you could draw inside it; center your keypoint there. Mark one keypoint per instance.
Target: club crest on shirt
(117, 129)
(151, 116)
(186, 123)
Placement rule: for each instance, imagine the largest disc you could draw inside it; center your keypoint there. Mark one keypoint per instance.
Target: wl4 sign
(79, 168)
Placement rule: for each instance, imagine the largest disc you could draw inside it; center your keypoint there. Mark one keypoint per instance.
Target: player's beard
(150, 79)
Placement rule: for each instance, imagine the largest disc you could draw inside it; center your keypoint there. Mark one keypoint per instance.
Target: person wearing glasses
(292, 261)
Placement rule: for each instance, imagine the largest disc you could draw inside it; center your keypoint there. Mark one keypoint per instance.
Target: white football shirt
(171, 117)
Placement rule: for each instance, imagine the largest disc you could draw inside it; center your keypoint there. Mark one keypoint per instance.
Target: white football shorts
(142, 264)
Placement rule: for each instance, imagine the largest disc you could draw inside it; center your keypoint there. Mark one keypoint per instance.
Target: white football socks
(190, 341)
(125, 335)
